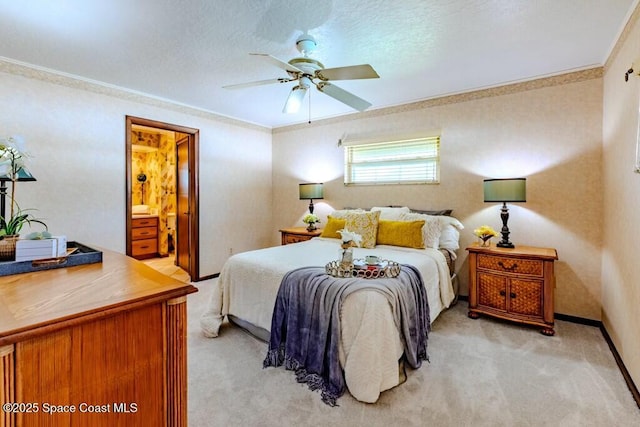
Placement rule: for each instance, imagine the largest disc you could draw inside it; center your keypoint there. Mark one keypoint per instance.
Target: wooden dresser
(513, 283)
(144, 237)
(297, 234)
(99, 344)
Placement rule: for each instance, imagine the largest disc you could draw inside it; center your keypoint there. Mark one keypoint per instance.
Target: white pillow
(449, 238)
(342, 213)
(390, 214)
(450, 233)
(431, 229)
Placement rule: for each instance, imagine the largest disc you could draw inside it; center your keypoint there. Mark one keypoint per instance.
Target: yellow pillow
(366, 225)
(401, 233)
(332, 227)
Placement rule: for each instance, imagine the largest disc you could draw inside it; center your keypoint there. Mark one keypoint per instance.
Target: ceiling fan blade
(294, 101)
(278, 63)
(343, 96)
(257, 83)
(363, 71)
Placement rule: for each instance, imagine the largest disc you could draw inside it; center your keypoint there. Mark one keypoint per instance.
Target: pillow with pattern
(365, 224)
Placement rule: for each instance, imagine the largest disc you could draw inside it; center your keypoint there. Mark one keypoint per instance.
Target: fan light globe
(306, 44)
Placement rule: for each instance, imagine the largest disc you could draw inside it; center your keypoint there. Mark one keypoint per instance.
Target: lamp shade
(505, 190)
(23, 175)
(311, 191)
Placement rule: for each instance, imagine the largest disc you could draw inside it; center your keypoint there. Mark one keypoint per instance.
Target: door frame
(194, 220)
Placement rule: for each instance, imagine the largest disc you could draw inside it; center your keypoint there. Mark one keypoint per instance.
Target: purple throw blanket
(305, 328)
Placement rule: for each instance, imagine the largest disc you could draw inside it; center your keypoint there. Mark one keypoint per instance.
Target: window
(408, 161)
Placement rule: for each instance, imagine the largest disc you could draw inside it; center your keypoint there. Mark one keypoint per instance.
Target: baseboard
(211, 276)
(623, 369)
(579, 320)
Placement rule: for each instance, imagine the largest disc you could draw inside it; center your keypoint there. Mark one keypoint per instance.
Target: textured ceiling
(185, 51)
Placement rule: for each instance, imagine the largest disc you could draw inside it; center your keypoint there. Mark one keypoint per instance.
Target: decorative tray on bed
(359, 268)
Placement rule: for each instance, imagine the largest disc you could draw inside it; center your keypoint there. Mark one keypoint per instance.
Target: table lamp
(21, 175)
(503, 191)
(309, 192)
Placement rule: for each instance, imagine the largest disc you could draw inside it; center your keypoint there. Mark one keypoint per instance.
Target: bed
(249, 282)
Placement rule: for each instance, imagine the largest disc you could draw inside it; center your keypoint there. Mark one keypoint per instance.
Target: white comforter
(370, 342)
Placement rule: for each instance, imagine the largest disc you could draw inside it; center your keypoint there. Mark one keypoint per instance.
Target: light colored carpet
(482, 373)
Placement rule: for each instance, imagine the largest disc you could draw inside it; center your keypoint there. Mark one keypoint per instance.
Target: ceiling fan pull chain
(309, 122)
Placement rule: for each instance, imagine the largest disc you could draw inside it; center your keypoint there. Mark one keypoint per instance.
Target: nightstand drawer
(298, 234)
(531, 267)
(293, 238)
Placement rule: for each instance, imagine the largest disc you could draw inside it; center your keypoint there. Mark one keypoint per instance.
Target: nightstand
(513, 283)
(298, 234)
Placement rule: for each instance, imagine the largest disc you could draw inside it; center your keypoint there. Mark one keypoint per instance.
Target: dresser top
(51, 298)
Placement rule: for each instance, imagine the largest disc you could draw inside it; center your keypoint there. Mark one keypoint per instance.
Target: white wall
(621, 230)
(77, 140)
(550, 135)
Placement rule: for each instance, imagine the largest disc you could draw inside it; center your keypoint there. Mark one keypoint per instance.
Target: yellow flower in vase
(485, 233)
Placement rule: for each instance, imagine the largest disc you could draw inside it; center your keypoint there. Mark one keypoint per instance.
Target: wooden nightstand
(513, 284)
(297, 234)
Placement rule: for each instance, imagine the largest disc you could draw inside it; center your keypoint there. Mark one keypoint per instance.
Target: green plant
(16, 222)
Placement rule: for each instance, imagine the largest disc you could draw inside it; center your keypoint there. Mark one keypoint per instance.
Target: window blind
(410, 161)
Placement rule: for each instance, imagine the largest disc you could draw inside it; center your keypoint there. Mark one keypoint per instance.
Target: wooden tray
(77, 254)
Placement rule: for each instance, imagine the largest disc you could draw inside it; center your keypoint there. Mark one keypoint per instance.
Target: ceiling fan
(307, 71)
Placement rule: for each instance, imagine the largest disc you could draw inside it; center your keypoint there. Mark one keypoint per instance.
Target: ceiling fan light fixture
(306, 44)
(294, 101)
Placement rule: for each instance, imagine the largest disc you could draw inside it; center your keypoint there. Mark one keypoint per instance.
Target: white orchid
(12, 160)
(12, 156)
(350, 237)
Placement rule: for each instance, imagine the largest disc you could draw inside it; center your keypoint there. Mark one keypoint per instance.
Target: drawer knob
(502, 293)
(513, 266)
(512, 294)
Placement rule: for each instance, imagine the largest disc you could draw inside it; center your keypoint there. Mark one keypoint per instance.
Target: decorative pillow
(431, 229)
(342, 213)
(443, 212)
(449, 233)
(449, 238)
(401, 233)
(332, 227)
(366, 225)
(390, 213)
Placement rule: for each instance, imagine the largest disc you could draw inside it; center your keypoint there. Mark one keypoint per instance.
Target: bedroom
(573, 136)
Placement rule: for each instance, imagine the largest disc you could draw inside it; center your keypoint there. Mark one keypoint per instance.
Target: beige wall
(76, 135)
(550, 135)
(621, 230)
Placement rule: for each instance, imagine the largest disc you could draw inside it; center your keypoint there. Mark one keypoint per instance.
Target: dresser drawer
(531, 267)
(144, 233)
(144, 222)
(144, 247)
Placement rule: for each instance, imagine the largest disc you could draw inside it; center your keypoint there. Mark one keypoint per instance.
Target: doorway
(168, 192)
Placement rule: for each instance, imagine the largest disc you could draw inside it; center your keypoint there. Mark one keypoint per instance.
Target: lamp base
(505, 245)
